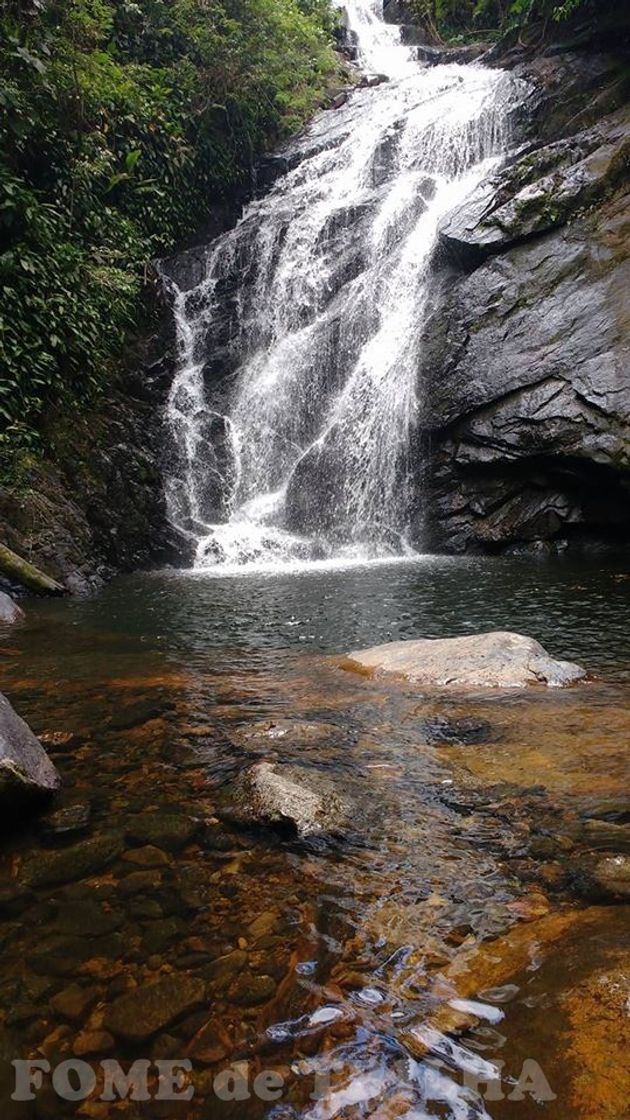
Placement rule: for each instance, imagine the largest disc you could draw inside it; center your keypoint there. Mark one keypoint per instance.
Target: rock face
(295, 799)
(496, 660)
(525, 416)
(435, 56)
(26, 772)
(9, 611)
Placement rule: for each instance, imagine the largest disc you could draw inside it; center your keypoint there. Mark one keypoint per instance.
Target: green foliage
(121, 122)
(454, 19)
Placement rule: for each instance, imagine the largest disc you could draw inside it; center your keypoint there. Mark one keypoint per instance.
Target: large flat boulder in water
(297, 799)
(26, 772)
(495, 660)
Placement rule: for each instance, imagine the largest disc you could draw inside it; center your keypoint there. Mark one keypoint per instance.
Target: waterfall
(296, 392)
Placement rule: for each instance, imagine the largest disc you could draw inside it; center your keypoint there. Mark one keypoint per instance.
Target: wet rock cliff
(524, 437)
(523, 433)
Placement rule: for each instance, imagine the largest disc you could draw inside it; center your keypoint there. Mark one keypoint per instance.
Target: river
(320, 965)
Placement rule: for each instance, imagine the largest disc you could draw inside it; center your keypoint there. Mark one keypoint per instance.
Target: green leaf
(131, 159)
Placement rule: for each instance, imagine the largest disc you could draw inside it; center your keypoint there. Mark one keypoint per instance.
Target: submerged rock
(496, 660)
(147, 857)
(136, 714)
(158, 935)
(9, 611)
(140, 1013)
(222, 970)
(611, 876)
(47, 868)
(607, 835)
(457, 731)
(92, 1042)
(249, 991)
(26, 772)
(73, 1002)
(167, 831)
(267, 733)
(87, 918)
(66, 821)
(296, 799)
(474, 972)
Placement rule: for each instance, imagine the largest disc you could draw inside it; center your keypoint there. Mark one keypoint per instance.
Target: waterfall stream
(294, 403)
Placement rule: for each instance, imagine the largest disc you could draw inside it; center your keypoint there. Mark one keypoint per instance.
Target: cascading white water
(295, 398)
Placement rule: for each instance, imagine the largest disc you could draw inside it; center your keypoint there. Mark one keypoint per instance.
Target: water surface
(153, 694)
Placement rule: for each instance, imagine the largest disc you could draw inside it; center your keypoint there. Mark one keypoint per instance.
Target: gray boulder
(9, 611)
(295, 799)
(496, 660)
(26, 772)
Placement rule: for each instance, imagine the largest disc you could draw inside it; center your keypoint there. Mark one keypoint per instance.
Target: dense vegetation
(121, 121)
(452, 18)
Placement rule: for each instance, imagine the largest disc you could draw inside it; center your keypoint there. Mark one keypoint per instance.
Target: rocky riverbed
(476, 878)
